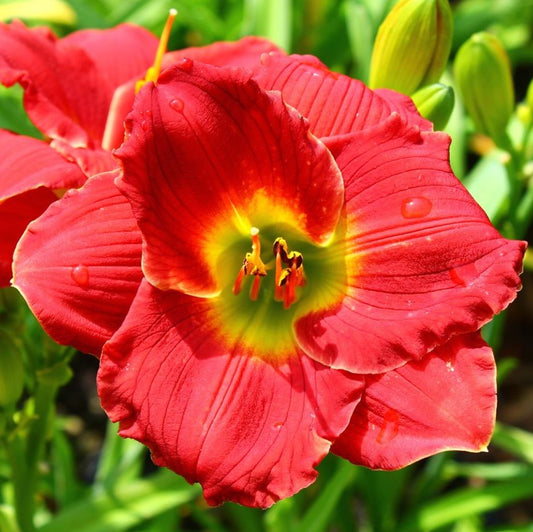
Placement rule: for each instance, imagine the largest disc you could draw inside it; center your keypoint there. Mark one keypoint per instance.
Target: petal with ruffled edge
(66, 94)
(210, 155)
(245, 52)
(27, 163)
(249, 429)
(447, 401)
(29, 171)
(423, 262)
(78, 265)
(333, 103)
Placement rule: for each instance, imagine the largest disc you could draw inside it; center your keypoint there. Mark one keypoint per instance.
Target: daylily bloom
(313, 277)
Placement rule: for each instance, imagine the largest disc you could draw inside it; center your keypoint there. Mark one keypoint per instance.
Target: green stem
(516, 184)
(24, 451)
(19, 471)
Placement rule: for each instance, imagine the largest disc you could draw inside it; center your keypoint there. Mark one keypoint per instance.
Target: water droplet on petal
(177, 105)
(389, 429)
(416, 207)
(144, 125)
(449, 366)
(80, 275)
(278, 425)
(186, 64)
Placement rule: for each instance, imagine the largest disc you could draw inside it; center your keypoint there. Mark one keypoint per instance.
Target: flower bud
(483, 76)
(412, 45)
(435, 102)
(11, 371)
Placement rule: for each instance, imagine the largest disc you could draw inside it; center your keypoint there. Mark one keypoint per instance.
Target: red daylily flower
(313, 277)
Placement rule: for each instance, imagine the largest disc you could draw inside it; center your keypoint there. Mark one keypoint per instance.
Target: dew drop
(389, 429)
(278, 425)
(186, 64)
(416, 207)
(80, 275)
(177, 105)
(144, 125)
(449, 366)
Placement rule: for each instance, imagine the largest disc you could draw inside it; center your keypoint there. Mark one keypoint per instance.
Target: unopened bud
(483, 75)
(435, 102)
(412, 45)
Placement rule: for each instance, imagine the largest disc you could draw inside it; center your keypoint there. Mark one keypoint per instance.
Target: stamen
(287, 278)
(280, 252)
(254, 292)
(238, 282)
(252, 265)
(153, 72)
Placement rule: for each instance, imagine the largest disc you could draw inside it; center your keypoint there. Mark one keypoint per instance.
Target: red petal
(405, 107)
(423, 260)
(15, 214)
(445, 401)
(244, 53)
(248, 430)
(205, 146)
(67, 95)
(119, 53)
(333, 103)
(78, 265)
(27, 163)
(29, 168)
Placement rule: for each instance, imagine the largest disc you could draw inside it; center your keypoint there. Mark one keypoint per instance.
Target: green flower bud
(11, 371)
(412, 45)
(483, 76)
(435, 102)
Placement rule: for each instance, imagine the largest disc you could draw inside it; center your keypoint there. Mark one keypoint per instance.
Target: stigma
(288, 275)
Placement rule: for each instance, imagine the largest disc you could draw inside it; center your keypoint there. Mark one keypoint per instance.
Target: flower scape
(276, 263)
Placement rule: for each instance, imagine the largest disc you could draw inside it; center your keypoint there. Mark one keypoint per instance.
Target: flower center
(265, 289)
(289, 272)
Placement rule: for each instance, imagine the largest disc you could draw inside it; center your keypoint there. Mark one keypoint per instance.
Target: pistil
(153, 72)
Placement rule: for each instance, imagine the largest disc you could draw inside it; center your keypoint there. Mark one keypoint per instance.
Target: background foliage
(87, 479)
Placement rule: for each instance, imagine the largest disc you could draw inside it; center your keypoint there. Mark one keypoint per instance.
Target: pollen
(289, 273)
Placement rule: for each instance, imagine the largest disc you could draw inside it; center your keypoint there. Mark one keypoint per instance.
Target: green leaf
(120, 461)
(515, 441)
(489, 185)
(12, 113)
(361, 33)
(319, 515)
(126, 506)
(271, 19)
(466, 502)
